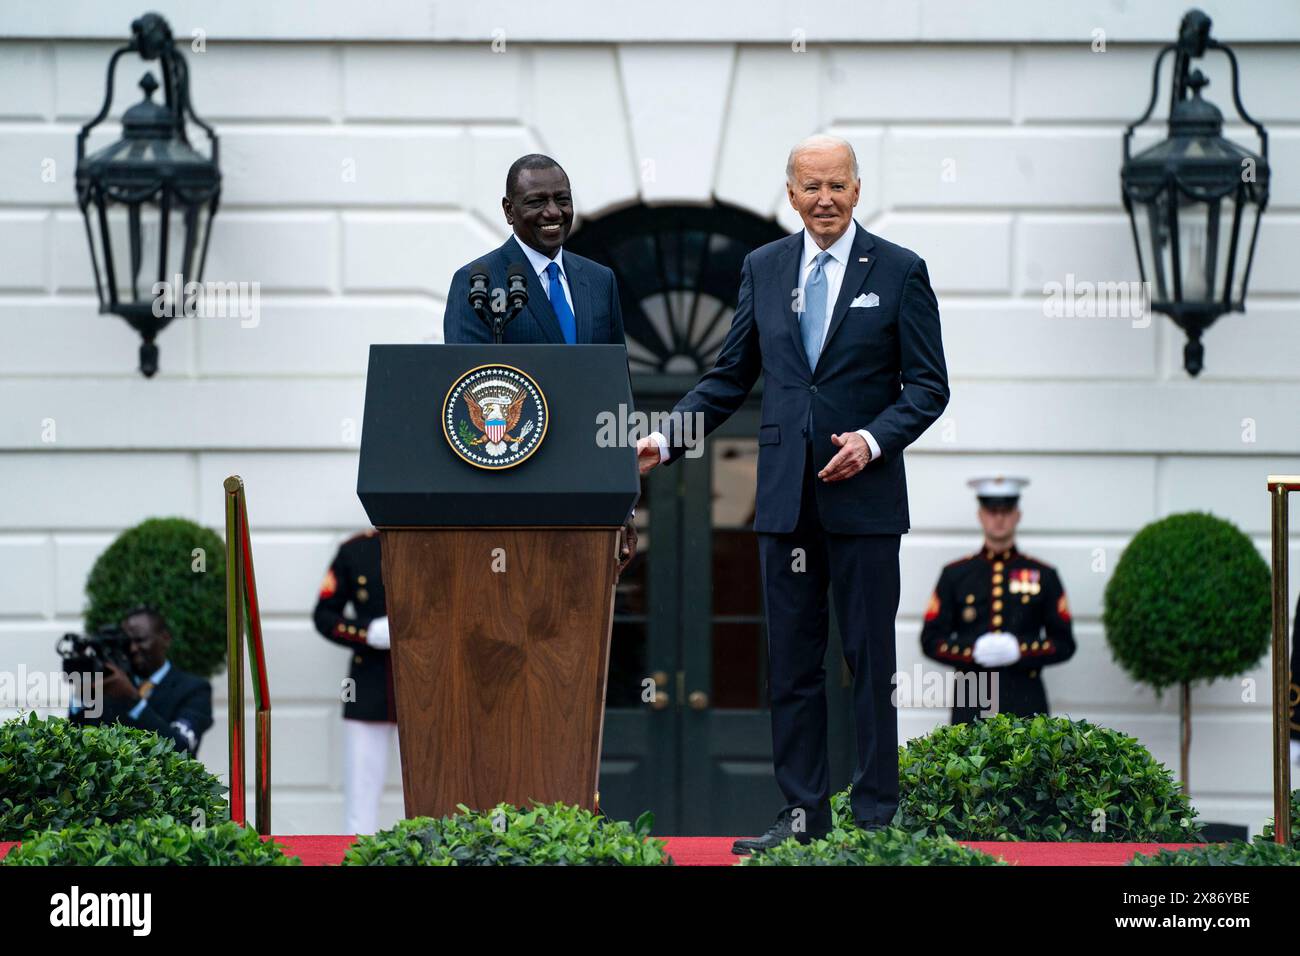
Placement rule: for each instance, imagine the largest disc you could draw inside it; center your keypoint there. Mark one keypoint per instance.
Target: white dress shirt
(834, 272)
(540, 264)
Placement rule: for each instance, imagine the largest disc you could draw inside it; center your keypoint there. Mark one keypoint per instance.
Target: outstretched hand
(647, 454)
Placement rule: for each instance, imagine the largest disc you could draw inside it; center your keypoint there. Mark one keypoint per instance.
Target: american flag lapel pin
(864, 258)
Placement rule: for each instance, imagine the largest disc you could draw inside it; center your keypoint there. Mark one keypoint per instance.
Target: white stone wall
(363, 152)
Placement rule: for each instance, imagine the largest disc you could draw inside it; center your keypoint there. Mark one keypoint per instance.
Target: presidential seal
(494, 416)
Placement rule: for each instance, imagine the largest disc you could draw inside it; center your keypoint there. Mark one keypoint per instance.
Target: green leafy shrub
(154, 563)
(54, 774)
(1235, 853)
(553, 834)
(1041, 779)
(892, 846)
(1189, 600)
(1268, 832)
(159, 841)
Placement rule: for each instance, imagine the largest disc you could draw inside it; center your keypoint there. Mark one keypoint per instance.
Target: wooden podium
(499, 562)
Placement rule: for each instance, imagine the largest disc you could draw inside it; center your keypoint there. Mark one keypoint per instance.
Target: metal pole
(1279, 486)
(235, 648)
(261, 688)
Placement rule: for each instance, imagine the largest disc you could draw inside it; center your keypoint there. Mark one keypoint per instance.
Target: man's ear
(506, 208)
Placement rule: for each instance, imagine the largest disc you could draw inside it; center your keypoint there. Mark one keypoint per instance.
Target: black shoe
(871, 827)
(777, 833)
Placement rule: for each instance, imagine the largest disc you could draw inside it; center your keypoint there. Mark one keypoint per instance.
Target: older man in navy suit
(844, 327)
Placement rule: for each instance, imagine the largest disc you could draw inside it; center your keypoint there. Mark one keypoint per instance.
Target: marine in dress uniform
(999, 610)
(1295, 689)
(350, 612)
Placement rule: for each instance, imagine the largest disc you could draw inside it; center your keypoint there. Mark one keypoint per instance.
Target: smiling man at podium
(571, 299)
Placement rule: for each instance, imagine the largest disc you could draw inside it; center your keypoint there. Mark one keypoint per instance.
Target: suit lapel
(577, 276)
(855, 274)
(539, 306)
(789, 262)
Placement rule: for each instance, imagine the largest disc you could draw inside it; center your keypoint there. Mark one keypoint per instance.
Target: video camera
(89, 653)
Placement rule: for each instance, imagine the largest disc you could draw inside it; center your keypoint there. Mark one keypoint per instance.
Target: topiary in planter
(54, 774)
(892, 846)
(1235, 853)
(1038, 778)
(159, 841)
(553, 834)
(1268, 832)
(179, 568)
(1189, 601)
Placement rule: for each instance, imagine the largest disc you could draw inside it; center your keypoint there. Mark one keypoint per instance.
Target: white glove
(377, 633)
(996, 650)
(1295, 751)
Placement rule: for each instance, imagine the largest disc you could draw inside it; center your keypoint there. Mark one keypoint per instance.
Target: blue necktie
(812, 324)
(561, 305)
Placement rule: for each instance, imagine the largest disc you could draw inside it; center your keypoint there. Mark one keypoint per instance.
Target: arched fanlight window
(678, 271)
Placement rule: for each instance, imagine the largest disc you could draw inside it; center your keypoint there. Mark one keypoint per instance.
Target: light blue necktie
(561, 305)
(812, 324)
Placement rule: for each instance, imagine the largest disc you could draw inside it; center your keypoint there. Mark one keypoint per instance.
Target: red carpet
(328, 850)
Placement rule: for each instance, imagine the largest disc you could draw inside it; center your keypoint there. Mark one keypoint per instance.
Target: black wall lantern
(1195, 199)
(148, 199)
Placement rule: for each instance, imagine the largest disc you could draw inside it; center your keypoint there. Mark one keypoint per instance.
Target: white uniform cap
(998, 486)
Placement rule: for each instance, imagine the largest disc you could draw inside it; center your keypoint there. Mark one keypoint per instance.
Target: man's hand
(118, 685)
(852, 457)
(647, 456)
(627, 550)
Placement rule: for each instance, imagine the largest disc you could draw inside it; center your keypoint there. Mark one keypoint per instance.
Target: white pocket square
(868, 300)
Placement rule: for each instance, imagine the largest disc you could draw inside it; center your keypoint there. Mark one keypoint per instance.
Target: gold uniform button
(1047, 645)
(1023, 647)
(970, 599)
(997, 605)
(1024, 599)
(352, 629)
(997, 620)
(361, 579)
(356, 658)
(997, 579)
(966, 653)
(997, 566)
(1034, 646)
(997, 592)
(943, 648)
(1033, 673)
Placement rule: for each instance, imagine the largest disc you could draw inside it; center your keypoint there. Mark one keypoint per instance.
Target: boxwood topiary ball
(177, 567)
(1189, 600)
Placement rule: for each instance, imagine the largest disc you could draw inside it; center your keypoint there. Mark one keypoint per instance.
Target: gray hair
(819, 141)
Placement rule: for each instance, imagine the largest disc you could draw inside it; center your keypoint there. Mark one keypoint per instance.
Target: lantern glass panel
(1245, 252)
(1198, 249)
(138, 260)
(1155, 248)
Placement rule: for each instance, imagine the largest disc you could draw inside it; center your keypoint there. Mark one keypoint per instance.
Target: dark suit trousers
(861, 571)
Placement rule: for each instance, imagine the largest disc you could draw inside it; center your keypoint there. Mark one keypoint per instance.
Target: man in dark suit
(571, 299)
(156, 695)
(845, 329)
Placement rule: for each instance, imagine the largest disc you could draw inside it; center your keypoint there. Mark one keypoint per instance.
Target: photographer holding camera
(141, 687)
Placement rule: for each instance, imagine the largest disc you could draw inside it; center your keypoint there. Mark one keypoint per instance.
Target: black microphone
(478, 290)
(517, 288)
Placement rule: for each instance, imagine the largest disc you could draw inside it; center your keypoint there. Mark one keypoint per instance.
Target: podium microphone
(478, 291)
(517, 288)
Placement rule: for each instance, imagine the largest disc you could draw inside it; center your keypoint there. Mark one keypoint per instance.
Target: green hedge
(1189, 600)
(1235, 853)
(161, 841)
(154, 563)
(1037, 778)
(553, 834)
(888, 847)
(54, 774)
